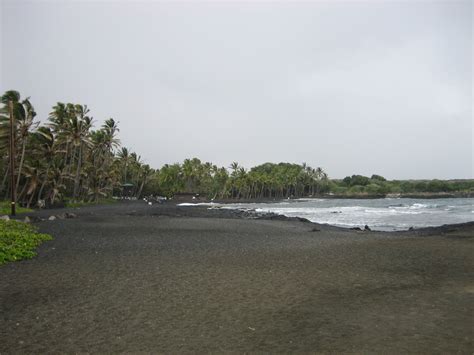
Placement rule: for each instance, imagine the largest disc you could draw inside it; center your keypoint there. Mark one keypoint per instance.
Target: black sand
(130, 278)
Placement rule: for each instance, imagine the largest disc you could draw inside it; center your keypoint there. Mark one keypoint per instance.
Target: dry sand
(131, 278)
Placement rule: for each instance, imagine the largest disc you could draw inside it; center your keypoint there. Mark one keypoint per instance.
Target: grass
(5, 208)
(105, 201)
(19, 241)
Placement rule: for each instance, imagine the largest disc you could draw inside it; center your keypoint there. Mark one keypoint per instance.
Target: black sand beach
(136, 278)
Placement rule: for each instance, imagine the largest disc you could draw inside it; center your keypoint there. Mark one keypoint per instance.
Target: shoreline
(172, 209)
(252, 213)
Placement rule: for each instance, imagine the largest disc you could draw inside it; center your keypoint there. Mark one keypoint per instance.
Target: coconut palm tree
(25, 122)
(146, 172)
(124, 157)
(17, 110)
(45, 142)
(77, 134)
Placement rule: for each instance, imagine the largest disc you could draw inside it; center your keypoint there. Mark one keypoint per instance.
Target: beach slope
(131, 277)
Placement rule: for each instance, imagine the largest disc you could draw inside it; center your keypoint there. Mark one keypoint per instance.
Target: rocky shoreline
(171, 209)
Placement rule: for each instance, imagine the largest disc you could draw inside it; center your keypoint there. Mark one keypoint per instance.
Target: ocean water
(387, 214)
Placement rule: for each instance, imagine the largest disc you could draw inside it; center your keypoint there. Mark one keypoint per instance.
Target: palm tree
(110, 128)
(15, 110)
(58, 119)
(48, 149)
(146, 172)
(32, 174)
(24, 125)
(125, 159)
(4, 138)
(77, 133)
(55, 179)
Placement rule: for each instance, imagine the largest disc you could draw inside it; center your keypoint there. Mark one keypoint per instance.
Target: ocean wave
(352, 210)
(427, 206)
(190, 204)
(310, 199)
(418, 205)
(378, 214)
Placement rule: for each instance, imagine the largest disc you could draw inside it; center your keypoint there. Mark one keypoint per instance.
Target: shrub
(18, 241)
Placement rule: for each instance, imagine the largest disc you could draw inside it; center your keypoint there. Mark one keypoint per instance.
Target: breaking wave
(379, 214)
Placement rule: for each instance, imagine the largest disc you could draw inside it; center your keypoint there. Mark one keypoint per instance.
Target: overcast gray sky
(355, 87)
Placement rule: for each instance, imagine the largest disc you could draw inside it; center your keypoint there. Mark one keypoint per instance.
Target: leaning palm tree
(25, 122)
(146, 172)
(32, 175)
(55, 180)
(77, 134)
(4, 139)
(49, 149)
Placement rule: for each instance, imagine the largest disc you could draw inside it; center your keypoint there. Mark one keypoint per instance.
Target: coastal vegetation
(64, 158)
(65, 161)
(283, 180)
(376, 185)
(268, 180)
(18, 241)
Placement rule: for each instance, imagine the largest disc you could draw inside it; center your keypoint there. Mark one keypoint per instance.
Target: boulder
(70, 215)
(32, 219)
(5, 218)
(51, 218)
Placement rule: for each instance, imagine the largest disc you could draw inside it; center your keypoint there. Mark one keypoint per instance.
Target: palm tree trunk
(21, 163)
(44, 182)
(4, 180)
(53, 196)
(141, 188)
(78, 173)
(66, 155)
(30, 199)
(20, 196)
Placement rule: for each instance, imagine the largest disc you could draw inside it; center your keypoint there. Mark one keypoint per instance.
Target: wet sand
(132, 277)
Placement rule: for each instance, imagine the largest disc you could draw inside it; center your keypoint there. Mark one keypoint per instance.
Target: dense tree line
(263, 181)
(64, 158)
(377, 185)
(285, 180)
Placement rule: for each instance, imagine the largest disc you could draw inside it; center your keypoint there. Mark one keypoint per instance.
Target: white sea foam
(310, 199)
(379, 214)
(418, 205)
(190, 204)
